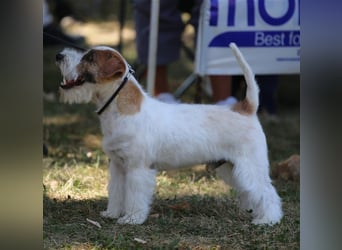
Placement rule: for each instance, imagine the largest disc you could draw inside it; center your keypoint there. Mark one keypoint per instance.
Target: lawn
(192, 209)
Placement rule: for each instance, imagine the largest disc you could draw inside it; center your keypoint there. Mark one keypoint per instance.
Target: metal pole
(152, 50)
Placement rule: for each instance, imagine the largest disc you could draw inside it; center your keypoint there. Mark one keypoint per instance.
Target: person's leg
(161, 82)
(169, 38)
(222, 86)
(267, 95)
(222, 89)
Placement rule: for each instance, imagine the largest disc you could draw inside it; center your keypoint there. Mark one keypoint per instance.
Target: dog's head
(86, 74)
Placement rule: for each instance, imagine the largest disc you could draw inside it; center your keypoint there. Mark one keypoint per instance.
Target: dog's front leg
(116, 191)
(139, 188)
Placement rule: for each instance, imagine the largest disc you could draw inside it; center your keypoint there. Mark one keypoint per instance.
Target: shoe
(230, 101)
(167, 98)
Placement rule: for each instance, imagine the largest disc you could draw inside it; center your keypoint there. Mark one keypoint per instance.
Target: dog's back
(249, 105)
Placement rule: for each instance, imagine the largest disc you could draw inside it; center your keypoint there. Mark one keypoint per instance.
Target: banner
(266, 31)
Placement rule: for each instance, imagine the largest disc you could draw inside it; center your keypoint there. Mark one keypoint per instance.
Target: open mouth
(72, 83)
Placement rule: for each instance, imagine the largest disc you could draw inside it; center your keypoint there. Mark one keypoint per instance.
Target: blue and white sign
(266, 31)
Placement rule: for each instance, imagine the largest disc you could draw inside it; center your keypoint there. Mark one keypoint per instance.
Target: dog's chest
(109, 124)
(119, 141)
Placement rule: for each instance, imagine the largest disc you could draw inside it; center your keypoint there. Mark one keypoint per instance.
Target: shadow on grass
(65, 224)
(187, 221)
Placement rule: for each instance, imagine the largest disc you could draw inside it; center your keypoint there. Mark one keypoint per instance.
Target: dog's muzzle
(68, 84)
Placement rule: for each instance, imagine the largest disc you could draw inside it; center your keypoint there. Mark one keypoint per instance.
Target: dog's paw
(109, 214)
(265, 221)
(131, 219)
(273, 216)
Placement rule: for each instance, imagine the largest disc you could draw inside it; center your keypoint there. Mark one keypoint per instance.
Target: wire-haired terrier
(142, 135)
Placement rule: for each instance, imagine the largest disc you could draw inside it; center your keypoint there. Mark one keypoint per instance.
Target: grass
(191, 209)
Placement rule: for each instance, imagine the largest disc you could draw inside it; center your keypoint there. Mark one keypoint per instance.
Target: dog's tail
(249, 105)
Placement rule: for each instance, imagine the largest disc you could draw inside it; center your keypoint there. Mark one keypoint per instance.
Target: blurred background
(110, 22)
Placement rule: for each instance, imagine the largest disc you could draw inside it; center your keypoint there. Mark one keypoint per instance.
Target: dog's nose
(59, 57)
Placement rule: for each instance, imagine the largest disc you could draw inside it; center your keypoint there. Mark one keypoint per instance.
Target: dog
(142, 135)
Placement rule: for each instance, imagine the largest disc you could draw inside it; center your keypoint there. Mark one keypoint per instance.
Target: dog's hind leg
(115, 192)
(224, 171)
(257, 192)
(139, 188)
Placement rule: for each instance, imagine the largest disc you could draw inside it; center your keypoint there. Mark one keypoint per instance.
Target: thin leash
(64, 41)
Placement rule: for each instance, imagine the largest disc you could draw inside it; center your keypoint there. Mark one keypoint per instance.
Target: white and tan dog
(142, 135)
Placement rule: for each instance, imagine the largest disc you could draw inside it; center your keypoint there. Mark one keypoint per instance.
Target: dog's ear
(112, 65)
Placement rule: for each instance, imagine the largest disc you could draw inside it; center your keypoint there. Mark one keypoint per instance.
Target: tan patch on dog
(130, 99)
(244, 107)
